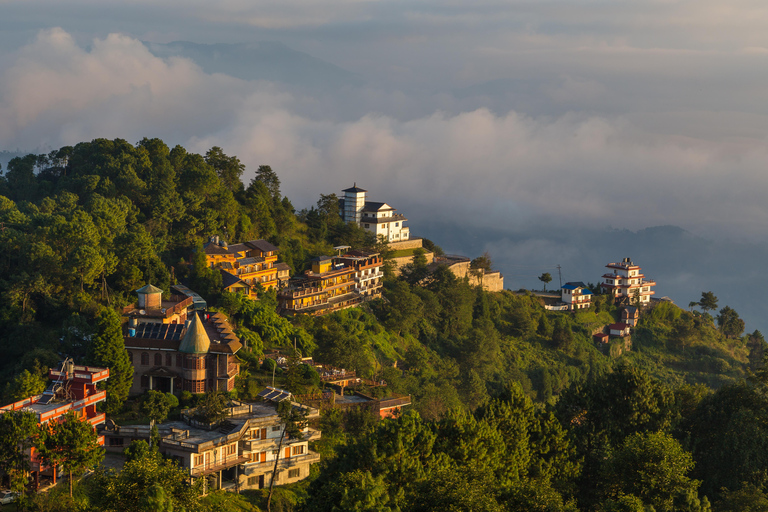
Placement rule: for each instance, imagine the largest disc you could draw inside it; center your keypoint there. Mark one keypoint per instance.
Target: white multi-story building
(627, 284)
(379, 218)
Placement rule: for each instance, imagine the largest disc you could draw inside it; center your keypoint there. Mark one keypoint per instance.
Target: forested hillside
(514, 406)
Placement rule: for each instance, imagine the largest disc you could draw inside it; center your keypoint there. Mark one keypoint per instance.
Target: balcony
(218, 466)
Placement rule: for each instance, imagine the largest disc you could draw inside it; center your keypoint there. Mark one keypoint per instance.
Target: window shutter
(288, 452)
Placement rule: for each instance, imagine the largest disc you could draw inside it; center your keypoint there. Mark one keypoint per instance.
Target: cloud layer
(477, 166)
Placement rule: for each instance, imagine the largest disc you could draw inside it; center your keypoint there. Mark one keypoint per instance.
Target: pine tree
(108, 350)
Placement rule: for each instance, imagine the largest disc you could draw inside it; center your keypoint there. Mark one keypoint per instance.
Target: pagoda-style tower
(354, 202)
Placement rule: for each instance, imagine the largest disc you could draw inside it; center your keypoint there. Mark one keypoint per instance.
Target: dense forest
(514, 407)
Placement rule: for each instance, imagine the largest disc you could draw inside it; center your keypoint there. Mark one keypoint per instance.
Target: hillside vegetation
(518, 400)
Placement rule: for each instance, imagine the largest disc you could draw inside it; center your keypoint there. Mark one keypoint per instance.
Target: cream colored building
(238, 453)
(378, 218)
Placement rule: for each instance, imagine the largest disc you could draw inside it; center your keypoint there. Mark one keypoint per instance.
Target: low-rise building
(619, 329)
(241, 451)
(627, 284)
(630, 315)
(576, 295)
(72, 389)
(189, 353)
(334, 283)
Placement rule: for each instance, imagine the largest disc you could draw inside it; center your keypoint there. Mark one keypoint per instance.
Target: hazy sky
(511, 115)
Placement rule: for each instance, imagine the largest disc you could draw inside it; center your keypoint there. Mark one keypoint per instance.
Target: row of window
(197, 363)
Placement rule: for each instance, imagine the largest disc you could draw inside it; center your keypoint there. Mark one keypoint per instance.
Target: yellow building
(247, 264)
(334, 283)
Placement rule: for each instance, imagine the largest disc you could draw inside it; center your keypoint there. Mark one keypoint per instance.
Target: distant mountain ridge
(263, 60)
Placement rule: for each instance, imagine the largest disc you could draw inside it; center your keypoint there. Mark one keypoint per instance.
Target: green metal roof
(149, 289)
(196, 340)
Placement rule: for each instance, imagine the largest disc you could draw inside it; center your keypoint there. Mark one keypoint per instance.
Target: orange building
(73, 389)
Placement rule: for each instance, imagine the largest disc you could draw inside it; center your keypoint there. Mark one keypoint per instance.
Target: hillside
(85, 226)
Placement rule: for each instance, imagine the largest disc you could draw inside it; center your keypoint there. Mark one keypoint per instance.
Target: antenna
(560, 275)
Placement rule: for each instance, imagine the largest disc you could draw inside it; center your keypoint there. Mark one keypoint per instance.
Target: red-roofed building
(619, 329)
(73, 389)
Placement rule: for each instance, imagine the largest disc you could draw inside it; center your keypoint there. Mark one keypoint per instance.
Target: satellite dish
(162, 311)
(142, 312)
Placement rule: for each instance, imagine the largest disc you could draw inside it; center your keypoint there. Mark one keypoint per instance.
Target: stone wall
(413, 243)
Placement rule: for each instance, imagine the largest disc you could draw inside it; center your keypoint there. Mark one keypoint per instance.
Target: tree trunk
(70, 483)
(274, 471)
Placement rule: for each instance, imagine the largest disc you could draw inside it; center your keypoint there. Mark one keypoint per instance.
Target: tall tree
(108, 349)
(729, 322)
(71, 444)
(294, 419)
(155, 406)
(17, 432)
(228, 168)
(545, 278)
(654, 467)
(708, 301)
(268, 177)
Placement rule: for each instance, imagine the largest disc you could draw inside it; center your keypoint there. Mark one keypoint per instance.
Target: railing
(98, 419)
(218, 465)
(338, 376)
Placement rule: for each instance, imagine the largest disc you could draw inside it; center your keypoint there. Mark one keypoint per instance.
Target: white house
(626, 283)
(576, 295)
(379, 218)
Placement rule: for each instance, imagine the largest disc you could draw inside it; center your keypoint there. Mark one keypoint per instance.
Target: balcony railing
(218, 466)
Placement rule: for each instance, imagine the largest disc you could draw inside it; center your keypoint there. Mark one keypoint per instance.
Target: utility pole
(560, 275)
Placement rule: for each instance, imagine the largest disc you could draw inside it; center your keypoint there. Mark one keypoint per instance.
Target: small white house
(619, 329)
(576, 295)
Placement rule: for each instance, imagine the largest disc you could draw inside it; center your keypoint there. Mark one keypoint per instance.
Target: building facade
(238, 453)
(334, 283)
(627, 284)
(378, 218)
(245, 265)
(576, 296)
(186, 351)
(73, 388)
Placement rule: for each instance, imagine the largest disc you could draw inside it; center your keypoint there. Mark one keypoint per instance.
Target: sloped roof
(354, 189)
(196, 340)
(228, 279)
(373, 206)
(149, 289)
(261, 245)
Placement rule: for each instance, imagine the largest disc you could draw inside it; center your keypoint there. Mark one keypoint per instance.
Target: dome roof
(149, 289)
(196, 340)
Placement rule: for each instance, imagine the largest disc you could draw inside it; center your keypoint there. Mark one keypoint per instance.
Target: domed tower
(194, 346)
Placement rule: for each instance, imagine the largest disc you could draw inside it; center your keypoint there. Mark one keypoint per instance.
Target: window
(276, 428)
(168, 360)
(158, 359)
(397, 224)
(294, 473)
(144, 359)
(198, 460)
(297, 450)
(179, 360)
(130, 356)
(231, 449)
(367, 226)
(145, 381)
(251, 481)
